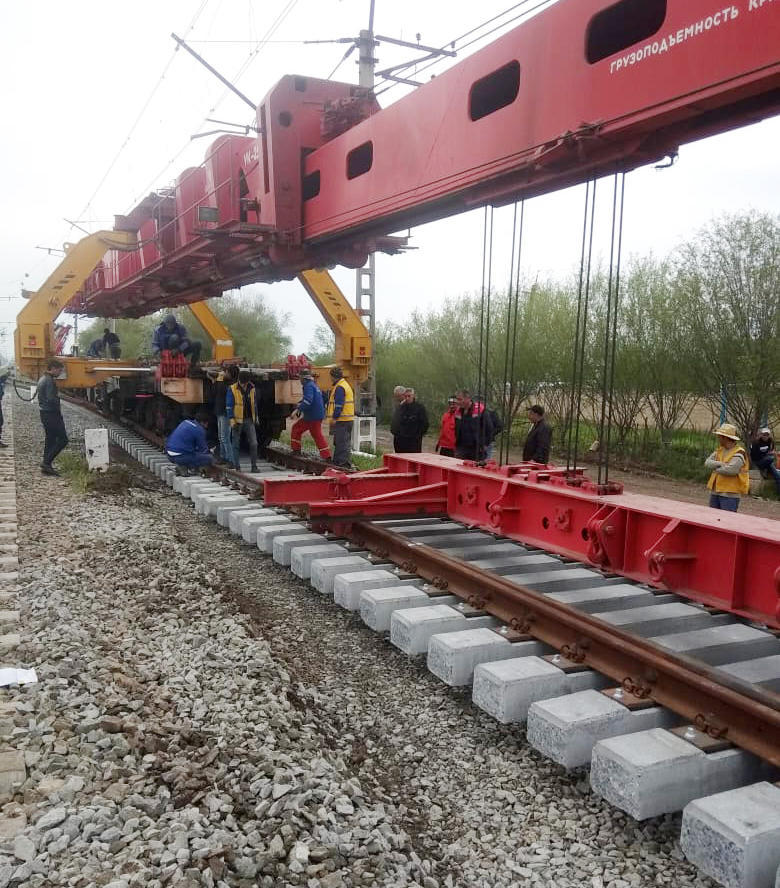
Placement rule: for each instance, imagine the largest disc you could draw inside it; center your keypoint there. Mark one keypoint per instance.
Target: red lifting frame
(722, 559)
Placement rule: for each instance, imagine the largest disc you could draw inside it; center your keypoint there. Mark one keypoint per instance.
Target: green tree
(135, 334)
(438, 351)
(321, 349)
(730, 274)
(655, 327)
(258, 332)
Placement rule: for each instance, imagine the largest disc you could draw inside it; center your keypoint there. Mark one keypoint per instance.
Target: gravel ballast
(204, 717)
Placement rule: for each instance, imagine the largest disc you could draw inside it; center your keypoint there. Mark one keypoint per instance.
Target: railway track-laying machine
(584, 88)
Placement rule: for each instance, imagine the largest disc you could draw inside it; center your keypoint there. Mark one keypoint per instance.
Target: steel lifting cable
(608, 342)
(513, 300)
(620, 201)
(583, 298)
(484, 318)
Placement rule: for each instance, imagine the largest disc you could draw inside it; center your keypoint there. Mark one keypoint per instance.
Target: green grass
(364, 461)
(73, 466)
(682, 456)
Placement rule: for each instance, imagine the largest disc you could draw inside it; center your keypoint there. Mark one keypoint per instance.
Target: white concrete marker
(96, 448)
(267, 533)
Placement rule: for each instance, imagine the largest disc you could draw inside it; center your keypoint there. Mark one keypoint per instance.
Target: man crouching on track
(186, 445)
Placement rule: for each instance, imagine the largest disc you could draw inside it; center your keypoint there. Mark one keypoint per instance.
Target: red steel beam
(336, 486)
(726, 560)
(583, 88)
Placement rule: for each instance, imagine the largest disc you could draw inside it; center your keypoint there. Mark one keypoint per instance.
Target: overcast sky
(84, 140)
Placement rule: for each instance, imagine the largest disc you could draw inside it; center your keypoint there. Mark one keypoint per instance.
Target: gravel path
(204, 718)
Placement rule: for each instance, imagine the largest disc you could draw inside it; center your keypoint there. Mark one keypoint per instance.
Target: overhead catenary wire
(451, 43)
(133, 127)
(273, 27)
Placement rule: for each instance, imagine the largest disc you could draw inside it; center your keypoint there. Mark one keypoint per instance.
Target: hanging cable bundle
(484, 325)
(581, 327)
(610, 327)
(512, 309)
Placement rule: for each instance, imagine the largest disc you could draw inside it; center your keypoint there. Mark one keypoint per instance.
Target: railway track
(672, 705)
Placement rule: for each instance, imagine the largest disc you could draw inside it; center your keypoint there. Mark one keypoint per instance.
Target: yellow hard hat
(727, 430)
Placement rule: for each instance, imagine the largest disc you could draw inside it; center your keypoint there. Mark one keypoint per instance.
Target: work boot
(49, 470)
(181, 471)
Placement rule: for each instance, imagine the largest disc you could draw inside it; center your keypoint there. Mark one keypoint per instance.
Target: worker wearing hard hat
(730, 477)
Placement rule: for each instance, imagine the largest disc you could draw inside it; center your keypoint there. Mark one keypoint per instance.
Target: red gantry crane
(583, 89)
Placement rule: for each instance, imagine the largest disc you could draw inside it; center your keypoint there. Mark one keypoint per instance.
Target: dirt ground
(638, 482)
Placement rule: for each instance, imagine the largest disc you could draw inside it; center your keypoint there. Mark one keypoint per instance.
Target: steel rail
(716, 703)
(232, 477)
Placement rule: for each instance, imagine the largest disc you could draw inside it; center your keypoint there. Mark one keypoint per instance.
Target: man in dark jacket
(409, 424)
(311, 412)
(3, 377)
(537, 444)
(763, 456)
(111, 344)
(473, 428)
(172, 336)
(186, 445)
(241, 409)
(56, 438)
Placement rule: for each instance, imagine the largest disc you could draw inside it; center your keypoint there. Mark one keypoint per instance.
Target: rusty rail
(718, 704)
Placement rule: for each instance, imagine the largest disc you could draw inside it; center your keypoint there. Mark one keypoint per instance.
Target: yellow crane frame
(34, 336)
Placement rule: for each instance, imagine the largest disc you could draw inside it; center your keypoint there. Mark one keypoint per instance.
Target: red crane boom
(583, 88)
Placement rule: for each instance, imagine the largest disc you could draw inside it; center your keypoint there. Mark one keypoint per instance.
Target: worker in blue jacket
(172, 336)
(186, 445)
(310, 412)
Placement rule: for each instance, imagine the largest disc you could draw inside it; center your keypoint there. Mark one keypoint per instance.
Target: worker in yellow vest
(340, 415)
(241, 411)
(730, 477)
